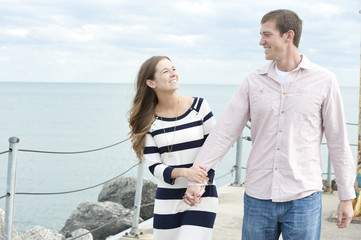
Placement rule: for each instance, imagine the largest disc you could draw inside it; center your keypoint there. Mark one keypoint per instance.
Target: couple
(291, 103)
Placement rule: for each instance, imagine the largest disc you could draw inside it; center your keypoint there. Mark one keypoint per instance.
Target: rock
(122, 190)
(15, 235)
(90, 215)
(79, 232)
(41, 233)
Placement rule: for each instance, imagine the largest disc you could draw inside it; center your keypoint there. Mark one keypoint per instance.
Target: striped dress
(173, 219)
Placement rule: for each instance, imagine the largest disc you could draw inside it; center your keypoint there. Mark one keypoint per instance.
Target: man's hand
(192, 196)
(344, 213)
(196, 173)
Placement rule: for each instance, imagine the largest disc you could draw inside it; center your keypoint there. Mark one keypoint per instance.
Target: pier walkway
(228, 223)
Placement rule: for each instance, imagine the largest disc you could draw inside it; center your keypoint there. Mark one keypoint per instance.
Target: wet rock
(79, 232)
(41, 233)
(122, 190)
(111, 217)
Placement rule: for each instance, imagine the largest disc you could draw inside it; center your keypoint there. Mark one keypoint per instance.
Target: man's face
(271, 40)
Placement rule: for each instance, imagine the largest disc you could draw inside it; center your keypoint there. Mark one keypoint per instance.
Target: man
(291, 102)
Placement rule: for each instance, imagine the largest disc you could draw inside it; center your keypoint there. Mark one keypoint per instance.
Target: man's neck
(289, 62)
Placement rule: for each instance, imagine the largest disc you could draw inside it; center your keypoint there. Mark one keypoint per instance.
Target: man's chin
(268, 57)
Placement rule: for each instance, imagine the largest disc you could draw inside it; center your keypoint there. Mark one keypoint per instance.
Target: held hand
(196, 173)
(192, 196)
(344, 213)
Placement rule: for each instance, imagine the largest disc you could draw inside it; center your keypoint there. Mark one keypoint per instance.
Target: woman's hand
(193, 194)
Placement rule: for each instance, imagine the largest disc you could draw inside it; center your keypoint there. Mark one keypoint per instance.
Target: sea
(72, 117)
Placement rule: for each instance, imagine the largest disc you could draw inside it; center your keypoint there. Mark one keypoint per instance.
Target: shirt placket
(277, 178)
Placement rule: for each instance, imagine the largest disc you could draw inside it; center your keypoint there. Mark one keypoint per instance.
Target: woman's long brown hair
(141, 115)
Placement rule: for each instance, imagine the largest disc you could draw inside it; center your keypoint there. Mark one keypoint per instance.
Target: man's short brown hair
(286, 20)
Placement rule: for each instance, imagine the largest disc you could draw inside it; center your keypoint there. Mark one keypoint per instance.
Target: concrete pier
(228, 223)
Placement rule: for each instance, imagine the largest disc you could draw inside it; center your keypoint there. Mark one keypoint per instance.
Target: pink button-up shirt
(287, 128)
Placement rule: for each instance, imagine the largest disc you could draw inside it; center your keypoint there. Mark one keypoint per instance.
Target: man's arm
(227, 129)
(222, 137)
(335, 128)
(334, 124)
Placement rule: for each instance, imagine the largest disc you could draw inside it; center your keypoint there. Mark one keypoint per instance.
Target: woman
(167, 130)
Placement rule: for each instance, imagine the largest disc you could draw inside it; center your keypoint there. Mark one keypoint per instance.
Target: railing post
(238, 166)
(10, 188)
(134, 232)
(329, 169)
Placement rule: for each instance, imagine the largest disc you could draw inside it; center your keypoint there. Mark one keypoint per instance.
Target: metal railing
(11, 183)
(134, 232)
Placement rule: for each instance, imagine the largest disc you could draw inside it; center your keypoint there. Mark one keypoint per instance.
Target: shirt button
(280, 131)
(282, 111)
(276, 169)
(278, 149)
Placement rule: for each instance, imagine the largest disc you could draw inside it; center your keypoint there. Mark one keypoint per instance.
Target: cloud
(15, 32)
(203, 8)
(325, 9)
(82, 40)
(188, 40)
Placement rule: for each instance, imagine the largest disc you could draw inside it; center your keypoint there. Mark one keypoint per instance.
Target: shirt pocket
(304, 101)
(263, 102)
(304, 111)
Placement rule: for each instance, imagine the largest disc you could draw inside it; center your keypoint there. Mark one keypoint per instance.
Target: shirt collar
(270, 67)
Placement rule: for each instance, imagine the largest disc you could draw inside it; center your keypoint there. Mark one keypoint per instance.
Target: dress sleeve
(208, 119)
(155, 164)
(334, 126)
(209, 122)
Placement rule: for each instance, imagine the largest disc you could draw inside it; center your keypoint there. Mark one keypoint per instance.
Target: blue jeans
(299, 219)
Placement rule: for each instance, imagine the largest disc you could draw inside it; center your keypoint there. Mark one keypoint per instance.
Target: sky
(209, 41)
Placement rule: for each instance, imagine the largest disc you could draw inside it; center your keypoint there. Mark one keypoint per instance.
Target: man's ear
(150, 83)
(290, 35)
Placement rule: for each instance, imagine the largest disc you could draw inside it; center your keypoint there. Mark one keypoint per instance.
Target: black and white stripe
(173, 219)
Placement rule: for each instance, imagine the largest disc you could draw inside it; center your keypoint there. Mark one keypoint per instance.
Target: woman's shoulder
(200, 104)
(188, 99)
(196, 103)
(191, 100)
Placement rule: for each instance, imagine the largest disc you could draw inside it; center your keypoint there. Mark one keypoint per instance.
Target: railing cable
(230, 172)
(5, 152)
(78, 190)
(6, 195)
(78, 152)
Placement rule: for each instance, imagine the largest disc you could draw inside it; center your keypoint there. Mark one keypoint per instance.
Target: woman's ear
(150, 83)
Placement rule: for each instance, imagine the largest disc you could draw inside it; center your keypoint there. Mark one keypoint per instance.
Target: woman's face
(165, 77)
